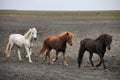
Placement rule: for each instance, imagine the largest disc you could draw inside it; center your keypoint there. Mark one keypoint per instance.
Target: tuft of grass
(117, 58)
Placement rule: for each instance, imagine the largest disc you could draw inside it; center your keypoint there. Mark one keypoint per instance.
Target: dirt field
(13, 69)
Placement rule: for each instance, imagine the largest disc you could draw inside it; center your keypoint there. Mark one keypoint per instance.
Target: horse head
(108, 41)
(69, 38)
(34, 33)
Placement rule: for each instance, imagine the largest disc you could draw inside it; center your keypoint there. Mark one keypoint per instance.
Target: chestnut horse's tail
(81, 51)
(42, 50)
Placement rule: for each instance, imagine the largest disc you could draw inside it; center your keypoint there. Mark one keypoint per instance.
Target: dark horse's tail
(81, 51)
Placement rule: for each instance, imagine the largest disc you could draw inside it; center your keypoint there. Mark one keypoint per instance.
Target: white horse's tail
(8, 48)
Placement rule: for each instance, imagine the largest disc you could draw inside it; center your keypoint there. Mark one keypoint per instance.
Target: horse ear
(67, 33)
(105, 35)
(30, 29)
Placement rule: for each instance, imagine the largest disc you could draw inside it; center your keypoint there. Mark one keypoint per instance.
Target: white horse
(19, 40)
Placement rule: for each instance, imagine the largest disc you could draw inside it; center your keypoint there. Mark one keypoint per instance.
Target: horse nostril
(35, 39)
(71, 44)
(109, 48)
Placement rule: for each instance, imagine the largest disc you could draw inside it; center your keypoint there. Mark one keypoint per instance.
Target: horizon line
(55, 10)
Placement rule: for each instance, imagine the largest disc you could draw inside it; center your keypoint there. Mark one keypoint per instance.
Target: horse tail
(8, 48)
(81, 52)
(43, 50)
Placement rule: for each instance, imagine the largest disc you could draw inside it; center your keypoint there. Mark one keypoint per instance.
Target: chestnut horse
(98, 46)
(57, 43)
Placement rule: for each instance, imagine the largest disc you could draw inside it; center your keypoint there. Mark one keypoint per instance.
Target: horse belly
(91, 47)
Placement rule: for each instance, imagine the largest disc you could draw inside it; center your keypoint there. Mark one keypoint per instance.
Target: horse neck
(28, 35)
(62, 39)
(101, 43)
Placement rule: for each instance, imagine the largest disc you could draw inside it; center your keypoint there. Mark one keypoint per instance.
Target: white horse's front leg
(19, 55)
(28, 54)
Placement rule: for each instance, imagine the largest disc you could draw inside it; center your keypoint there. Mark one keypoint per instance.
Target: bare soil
(13, 69)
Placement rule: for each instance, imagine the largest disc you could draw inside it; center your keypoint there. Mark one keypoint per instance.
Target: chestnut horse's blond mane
(64, 34)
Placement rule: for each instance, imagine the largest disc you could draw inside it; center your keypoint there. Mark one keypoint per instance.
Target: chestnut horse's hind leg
(64, 59)
(56, 57)
(47, 55)
(50, 58)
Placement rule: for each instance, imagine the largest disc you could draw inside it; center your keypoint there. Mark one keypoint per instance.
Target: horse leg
(101, 56)
(28, 53)
(90, 58)
(56, 57)
(64, 59)
(102, 61)
(19, 55)
(30, 49)
(47, 53)
(50, 58)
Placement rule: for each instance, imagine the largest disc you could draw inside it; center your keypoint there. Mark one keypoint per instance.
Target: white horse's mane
(27, 34)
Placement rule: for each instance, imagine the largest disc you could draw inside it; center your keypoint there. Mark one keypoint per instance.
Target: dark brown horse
(57, 43)
(98, 46)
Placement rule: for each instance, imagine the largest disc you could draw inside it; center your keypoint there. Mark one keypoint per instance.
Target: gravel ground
(13, 69)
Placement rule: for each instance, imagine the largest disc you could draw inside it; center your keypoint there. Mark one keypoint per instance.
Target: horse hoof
(66, 64)
(106, 69)
(30, 62)
(21, 60)
(94, 68)
(7, 57)
(26, 55)
(97, 65)
(41, 56)
(53, 60)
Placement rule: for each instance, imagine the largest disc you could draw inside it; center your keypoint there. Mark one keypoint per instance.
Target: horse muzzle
(71, 44)
(109, 48)
(35, 39)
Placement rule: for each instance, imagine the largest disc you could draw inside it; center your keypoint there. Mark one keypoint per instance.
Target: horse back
(89, 44)
(54, 42)
(84, 41)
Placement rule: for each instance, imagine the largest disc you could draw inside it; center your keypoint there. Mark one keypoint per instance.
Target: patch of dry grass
(63, 14)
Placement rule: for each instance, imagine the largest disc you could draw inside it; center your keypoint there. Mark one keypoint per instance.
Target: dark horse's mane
(103, 36)
(100, 37)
